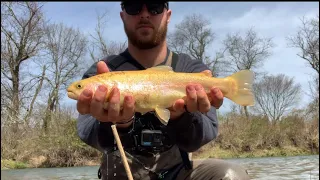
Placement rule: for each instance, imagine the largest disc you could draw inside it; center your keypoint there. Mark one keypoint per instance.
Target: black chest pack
(148, 134)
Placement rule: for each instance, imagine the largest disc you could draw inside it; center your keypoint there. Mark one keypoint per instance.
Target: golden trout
(157, 88)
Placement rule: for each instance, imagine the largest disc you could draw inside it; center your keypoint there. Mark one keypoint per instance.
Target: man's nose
(144, 12)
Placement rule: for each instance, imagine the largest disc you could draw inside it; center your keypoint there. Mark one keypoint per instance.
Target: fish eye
(79, 86)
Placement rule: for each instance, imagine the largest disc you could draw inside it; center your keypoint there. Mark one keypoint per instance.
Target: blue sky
(270, 19)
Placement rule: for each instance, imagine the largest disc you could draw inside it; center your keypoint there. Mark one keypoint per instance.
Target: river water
(270, 168)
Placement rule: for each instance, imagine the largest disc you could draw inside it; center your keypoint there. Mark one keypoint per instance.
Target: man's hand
(197, 100)
(94, 105)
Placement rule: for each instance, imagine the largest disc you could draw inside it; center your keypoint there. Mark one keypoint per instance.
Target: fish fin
(243, 93)
(207, 73)
(143, 113)
(160, 68)
(163, 115)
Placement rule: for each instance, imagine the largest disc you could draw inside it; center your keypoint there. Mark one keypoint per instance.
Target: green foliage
(11, 164)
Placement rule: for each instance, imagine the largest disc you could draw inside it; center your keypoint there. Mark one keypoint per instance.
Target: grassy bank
(257, 137)
(214, 152)
(218, 152)
(10, 164)
(238, 138)
(59, 147)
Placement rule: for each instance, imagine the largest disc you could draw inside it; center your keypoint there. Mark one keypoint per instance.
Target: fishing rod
(122, 154)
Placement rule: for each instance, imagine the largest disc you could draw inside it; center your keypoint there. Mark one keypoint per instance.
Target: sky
(270, 19)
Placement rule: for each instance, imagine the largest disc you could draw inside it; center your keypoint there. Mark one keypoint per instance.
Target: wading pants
(213, 169)
(210, 169)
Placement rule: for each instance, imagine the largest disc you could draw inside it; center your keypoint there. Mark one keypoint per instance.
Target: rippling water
(271, 168)
(298, 167)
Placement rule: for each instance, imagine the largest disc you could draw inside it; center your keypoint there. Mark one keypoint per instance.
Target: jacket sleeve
(193, 130)
(93, 132)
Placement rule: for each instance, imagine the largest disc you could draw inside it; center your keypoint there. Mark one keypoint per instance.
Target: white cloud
(278, 23)
(277, 20)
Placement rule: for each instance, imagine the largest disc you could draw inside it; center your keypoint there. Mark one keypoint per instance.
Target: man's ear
(121, 15)
(168, 15)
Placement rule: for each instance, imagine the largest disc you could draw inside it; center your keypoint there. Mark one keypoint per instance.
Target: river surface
(270, 168)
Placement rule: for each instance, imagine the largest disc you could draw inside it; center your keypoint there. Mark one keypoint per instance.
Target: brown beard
(157, 38)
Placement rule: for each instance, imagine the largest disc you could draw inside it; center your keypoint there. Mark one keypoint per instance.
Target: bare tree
(314, 87)
(66, 48)
(36, 93)
(248, 52)
(99, 46)
(193, 36)
(313, 106)
(307, 41)
(177, 42)
(276, 94)
(21, 39)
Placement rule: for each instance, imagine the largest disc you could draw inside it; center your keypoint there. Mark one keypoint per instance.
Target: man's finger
(83, 103)
(128, 108)
(177, 109)
(114, 105)
(102, 67)
(98, 100)
(202, 99)
(216, 98)
(192, 104)
(178, 106)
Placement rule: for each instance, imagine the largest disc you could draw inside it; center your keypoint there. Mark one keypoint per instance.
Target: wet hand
(94, 104)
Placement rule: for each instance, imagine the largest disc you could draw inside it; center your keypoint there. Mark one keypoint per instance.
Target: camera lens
(157, 138)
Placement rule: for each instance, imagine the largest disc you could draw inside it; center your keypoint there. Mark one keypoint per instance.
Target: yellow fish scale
(159, 87)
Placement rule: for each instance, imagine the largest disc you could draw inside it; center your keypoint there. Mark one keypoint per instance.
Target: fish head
(76, 88)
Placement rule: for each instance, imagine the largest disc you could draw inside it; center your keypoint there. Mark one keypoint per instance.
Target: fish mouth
(72, 95)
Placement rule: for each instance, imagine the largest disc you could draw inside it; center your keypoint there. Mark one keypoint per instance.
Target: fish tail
(242, 91)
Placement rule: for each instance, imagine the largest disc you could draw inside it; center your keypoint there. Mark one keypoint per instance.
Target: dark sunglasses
(136, 7)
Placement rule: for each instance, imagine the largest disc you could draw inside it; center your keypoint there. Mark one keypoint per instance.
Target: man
(193, 122)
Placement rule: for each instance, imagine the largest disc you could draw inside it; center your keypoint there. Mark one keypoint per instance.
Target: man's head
(145, 22)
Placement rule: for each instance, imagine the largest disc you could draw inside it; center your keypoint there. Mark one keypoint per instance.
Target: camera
(151, 138)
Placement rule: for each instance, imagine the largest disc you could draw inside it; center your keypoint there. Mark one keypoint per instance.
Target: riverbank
(216, 152)
(12, 164)
(296, 134)
(203, 153)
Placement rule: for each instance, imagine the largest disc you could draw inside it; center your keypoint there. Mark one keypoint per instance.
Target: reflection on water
(299, 167)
